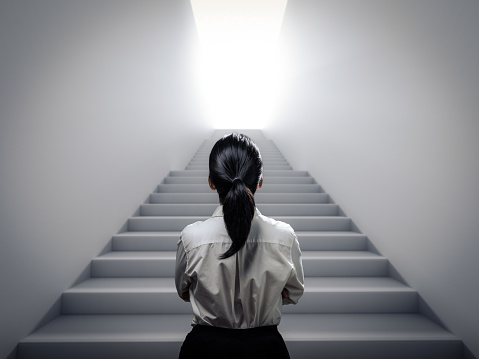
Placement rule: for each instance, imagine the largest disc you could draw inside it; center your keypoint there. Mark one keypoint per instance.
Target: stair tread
(118, 255)
(121, 255)
(354, 284)
(122, 285)
(293, 327)
(337, 255)
(361, 327)
(298, 233)
(266, 172)
(149, 234)
(329, 233)
(289, 205)
(279, 218)
(202, 178)
(167, 285)
(193, 218)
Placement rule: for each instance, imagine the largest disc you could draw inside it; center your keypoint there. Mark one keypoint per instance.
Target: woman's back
(247, 289)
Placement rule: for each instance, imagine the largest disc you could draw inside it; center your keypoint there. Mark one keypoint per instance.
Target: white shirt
(247, 289)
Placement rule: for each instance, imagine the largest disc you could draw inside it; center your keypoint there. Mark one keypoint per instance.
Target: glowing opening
(238, 64)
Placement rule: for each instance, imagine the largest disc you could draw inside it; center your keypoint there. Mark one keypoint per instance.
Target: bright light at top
(238, 64)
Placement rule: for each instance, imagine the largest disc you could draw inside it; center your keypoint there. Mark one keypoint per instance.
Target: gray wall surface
(382, 108)
(97, 104)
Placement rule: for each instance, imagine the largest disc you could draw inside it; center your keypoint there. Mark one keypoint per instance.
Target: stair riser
(317, 223)
(265, 166)
(124, 303)
(374, 349)
(267, 180)
(266, 209)
(337, 349)
(122, 268)
(269, 160)
(272, 188)
(170, 303)
(298, 223)
(127, 349)
(145, 243)
(307, 243)
(355, 302)
(370, 267)
(264, 150)
(161, 223)
(332, 243)
(259, 198)
(266, 173)
(264, 155)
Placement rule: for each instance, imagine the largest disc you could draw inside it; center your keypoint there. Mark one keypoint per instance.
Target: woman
(238, 267)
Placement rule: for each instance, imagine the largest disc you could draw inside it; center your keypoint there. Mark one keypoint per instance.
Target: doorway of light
(237, 69)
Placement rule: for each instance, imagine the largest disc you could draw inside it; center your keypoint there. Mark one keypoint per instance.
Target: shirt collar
(219, 211)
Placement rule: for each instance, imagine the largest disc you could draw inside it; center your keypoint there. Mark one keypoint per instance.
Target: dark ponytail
(235, 170)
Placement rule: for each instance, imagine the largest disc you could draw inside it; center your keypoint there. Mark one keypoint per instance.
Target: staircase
(351, 308)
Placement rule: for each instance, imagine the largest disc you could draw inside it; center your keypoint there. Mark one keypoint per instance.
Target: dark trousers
(222, 343)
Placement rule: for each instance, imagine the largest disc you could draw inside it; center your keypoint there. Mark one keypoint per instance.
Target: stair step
(145, 241)
(259, 198)
(268, 180)
(177, 223)
(307, 336)
(162, 264)
(309, 241)
(124, 296)
(367, 336)
(331, 241)
(344, 264)
(277, 160)
(324, 209)
(108, 337)
(134, 264)
(265, 147)
(266, 166)
(205, 155)
(316, 223)
(355, 295)
(272, 188)
(158, 296)
(166, 223)
(266, 173)
(270, 160)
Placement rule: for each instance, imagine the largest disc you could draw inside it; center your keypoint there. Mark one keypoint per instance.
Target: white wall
(97, 104)
(381, 106)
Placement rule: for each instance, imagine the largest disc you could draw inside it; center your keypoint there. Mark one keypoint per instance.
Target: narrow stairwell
(351, 308)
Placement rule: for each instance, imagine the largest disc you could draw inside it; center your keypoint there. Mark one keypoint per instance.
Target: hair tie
(237, 179)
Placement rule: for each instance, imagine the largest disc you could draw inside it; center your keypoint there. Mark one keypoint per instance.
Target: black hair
(236, 169)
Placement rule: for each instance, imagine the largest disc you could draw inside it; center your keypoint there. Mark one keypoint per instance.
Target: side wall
(381, 107)
(96, 106)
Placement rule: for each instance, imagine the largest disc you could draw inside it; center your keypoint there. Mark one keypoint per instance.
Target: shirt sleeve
(294, 288)
(182, 280)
